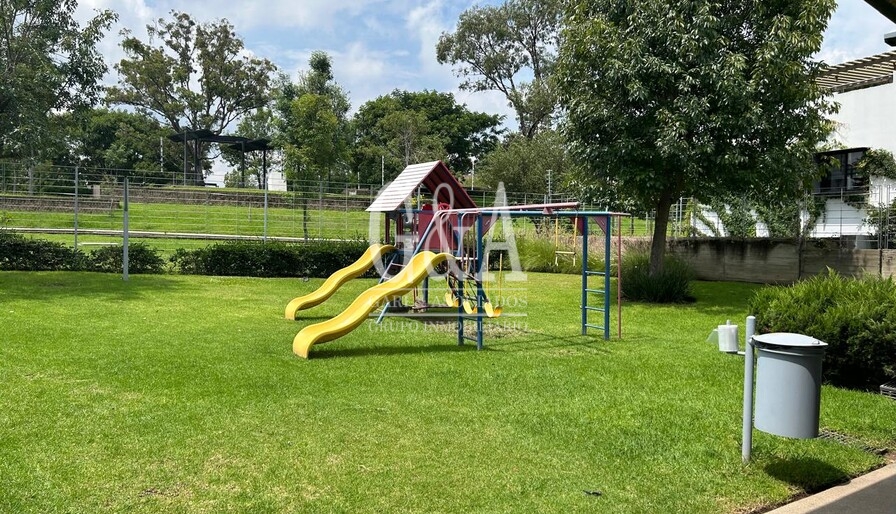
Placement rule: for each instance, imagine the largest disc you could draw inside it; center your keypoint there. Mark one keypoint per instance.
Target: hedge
(252, 259)
(18, 253)
(272, 259)
(855, 317)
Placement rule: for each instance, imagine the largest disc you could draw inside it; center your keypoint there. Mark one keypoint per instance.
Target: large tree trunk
(660, 227)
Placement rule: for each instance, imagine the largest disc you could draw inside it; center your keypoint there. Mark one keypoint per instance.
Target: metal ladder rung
(596, 291)
(599, 327)
(595, 273)
(590, 308)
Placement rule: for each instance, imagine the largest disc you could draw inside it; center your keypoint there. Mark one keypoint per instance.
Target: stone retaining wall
(771, 261)
(57, 204)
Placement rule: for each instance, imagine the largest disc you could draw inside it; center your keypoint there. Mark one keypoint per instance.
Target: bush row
(855, 317)
(316, 259)
(272, 259)
(18, 253)
(254, 259)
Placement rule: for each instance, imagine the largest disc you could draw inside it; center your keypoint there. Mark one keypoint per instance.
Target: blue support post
(585, 221)
(460, 284)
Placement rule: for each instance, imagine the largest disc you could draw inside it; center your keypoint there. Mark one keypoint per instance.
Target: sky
(378, 46)
(381, 45)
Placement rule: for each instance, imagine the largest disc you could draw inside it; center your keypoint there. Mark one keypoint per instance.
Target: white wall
(866, 117)
(840, 219)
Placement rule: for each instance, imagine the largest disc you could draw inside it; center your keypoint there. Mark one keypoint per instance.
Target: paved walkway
(874, 493)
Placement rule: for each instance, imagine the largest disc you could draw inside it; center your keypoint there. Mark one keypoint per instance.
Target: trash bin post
(747, 440)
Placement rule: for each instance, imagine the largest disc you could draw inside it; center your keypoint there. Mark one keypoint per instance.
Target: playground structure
(447, 238)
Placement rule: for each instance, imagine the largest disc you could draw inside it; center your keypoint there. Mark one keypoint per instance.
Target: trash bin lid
(787, 340)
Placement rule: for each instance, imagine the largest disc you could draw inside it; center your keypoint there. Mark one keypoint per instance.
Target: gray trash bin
(788, 384)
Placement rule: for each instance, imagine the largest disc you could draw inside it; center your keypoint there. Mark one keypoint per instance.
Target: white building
(866, 94)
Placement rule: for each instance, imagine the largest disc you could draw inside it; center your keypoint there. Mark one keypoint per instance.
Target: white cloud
(250, 15)
(491, 102)
(427, 22)
(366, 73)
(856, 30)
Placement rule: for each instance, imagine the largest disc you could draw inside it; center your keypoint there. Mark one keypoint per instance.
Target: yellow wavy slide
(413, 273)
(336, 280)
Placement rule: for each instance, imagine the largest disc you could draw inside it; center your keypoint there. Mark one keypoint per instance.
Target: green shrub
(673, 285)
(538, 255)
(142, 259)
(271, 259)
(25, 254)
(855, 317)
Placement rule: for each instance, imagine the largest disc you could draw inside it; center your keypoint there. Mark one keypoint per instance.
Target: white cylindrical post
(747, 445)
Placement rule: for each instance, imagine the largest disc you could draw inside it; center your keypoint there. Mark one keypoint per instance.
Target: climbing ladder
(602, 291)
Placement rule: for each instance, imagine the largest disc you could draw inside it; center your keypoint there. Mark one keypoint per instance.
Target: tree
(113, 139)
(410, 138)
(508, 48)
(312, 122)
(526, 165)
(197, 77)
(313, 127)
(693, 98)
(49, 64)
(411, 126)
(315, 145)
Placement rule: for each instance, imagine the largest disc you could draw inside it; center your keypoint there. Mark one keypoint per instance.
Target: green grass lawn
(173, 393)
(243, 220)
(191, 218)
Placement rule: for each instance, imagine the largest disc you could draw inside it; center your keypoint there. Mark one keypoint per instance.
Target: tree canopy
(49, 63)
(312, 122)
(191, 75)
(527, 165)
(694, 98)
(417, 126)
(116, 139)
(508, 48)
